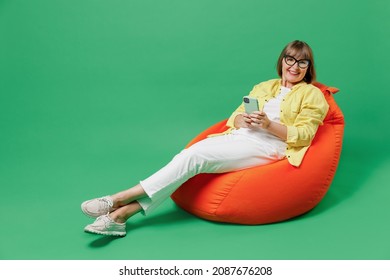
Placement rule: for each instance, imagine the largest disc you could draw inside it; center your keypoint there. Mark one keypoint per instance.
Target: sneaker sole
(108, 233)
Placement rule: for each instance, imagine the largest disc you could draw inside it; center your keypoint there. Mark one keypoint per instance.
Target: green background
(96, 95)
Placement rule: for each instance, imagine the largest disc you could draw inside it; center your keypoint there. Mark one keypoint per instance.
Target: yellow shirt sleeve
(302, 129)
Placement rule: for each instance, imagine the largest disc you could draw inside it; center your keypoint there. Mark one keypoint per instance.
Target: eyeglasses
(302, 63)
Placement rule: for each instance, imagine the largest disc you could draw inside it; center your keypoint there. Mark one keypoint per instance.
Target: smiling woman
(289, 114)
(296, 63)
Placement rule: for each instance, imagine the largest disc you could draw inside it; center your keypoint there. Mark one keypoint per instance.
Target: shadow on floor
(355, 168)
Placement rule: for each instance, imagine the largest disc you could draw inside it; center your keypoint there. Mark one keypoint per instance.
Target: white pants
(218, 154)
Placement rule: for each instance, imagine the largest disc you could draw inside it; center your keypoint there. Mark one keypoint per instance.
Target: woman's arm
(302, 129)
(278, 130)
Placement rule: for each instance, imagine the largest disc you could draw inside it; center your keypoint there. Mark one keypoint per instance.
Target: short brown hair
(302, 49)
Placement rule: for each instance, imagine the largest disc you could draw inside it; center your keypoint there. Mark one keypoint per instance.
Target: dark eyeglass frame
(297, 61)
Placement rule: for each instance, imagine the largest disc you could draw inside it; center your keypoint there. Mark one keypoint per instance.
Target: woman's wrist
(238, 120)
(268, 125)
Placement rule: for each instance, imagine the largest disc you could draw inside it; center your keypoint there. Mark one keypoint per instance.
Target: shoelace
(106, 204)
(106, 220)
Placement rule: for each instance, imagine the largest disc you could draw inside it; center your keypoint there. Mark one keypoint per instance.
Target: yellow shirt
(302, 111)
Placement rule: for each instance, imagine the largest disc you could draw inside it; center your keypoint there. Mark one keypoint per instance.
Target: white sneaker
(106, 226)
(98, 206)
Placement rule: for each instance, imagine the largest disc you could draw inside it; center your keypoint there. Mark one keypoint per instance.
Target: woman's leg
(126, 196)
(113, 223)
(212, 155)
(107, 204)
(122, 214)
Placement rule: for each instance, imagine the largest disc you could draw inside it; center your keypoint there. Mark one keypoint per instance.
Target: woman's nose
(295, 66)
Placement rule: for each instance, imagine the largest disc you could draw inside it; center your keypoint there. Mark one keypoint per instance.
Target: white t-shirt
(272, 107)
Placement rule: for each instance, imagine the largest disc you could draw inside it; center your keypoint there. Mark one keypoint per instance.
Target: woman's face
(293, 70)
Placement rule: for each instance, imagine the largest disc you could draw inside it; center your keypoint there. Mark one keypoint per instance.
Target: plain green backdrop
(96, 95)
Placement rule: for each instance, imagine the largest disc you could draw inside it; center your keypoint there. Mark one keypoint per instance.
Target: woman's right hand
(242, 121)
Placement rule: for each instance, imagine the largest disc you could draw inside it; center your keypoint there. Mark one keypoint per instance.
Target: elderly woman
(290, 111)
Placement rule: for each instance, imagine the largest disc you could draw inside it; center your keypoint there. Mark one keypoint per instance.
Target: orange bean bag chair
(269, 193)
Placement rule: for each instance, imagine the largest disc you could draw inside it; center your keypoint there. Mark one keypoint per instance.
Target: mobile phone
(251, 104)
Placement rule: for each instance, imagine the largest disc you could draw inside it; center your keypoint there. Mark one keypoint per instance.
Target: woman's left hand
(259, 119)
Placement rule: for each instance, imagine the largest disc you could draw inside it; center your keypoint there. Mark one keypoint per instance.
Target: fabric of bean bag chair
(269, 193)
